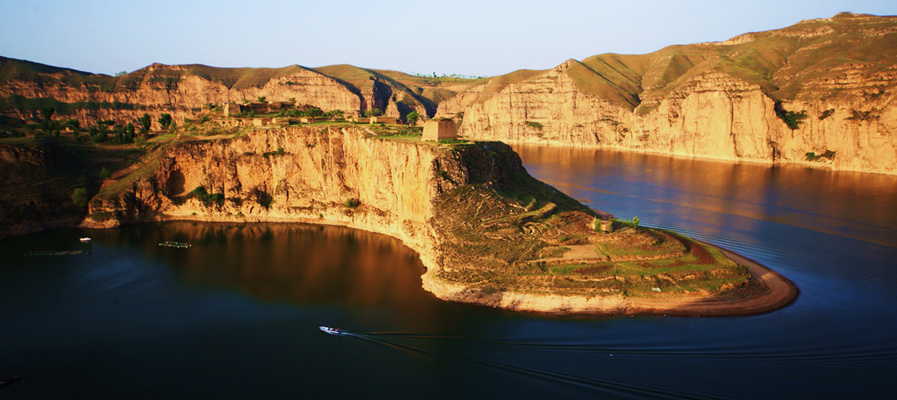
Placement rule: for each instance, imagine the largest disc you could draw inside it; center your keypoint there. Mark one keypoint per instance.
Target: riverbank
(767, 292)
(487, 231)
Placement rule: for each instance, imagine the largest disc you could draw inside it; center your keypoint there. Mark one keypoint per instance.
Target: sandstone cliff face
(716, 100)
(177, 90)
(299, 175)
(315, 175)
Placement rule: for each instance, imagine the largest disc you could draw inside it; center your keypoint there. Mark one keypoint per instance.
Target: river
(237, 315)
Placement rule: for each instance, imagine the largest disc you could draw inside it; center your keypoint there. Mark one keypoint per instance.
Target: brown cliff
(486, 230)
(184, 90)
(727, 100)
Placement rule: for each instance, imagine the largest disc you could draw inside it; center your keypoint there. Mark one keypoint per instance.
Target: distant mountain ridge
(820, 87)
(820, 92)
(26, 87)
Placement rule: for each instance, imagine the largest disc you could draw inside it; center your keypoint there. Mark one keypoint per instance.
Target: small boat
(177, 245)
(85, 239)
(333, 331)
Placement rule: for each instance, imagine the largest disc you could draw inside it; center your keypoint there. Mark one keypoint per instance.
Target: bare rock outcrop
(791, 95)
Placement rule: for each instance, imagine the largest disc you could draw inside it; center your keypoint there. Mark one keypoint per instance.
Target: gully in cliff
(487, 232)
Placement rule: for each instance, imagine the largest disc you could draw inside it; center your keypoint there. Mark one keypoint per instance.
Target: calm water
(236, 315)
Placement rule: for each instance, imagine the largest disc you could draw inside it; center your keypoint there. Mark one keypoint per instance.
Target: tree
(80, 197)
(74, 125)
(129, 133)
(165, 120)
(412, 117)
(263, 100)
(101, 133)
(314, 112)
(49, 125)
(104, 174)
(145, 122)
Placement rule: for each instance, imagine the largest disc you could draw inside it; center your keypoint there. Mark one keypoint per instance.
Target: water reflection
(294, 263)
(855, 205)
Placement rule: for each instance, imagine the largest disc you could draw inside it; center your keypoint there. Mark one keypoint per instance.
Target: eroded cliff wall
(175, 89)
(326, 175)
(727, 100)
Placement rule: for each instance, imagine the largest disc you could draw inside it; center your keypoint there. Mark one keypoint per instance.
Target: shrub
(352, 203)
(165, 120)
(534, 125)
(80, 197)
(104, 174)
(206, 198)
(412, 117)
(790, 118)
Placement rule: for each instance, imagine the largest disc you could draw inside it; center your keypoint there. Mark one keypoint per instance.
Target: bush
(352, 203)
(206, 198)
(412, 117)
(790, 118)
(165, 121)
(104, 174)
(80, 197)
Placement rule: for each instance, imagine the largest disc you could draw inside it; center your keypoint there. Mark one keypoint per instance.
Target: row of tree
(103, 130)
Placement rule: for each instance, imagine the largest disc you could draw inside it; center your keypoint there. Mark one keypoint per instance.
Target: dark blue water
(236, 315)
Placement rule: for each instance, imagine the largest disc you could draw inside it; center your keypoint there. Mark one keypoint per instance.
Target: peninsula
(487, 232)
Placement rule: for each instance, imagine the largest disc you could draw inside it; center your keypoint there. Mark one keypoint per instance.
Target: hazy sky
(466, 37)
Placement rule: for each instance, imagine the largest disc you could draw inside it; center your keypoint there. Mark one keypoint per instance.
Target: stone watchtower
(438, 129)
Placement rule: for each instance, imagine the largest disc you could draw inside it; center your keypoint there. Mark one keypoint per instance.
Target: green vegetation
(104, 174)
(520, 235)
(80, 197)
(279, 152)
(352, 203)
(790, 118)
(412, 117)
(207, 199)
(534, 125)
(867, 116)
(165, 121)
(631, 223)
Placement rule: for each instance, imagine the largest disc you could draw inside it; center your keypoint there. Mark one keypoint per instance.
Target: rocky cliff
(821, 92)
(183, 90)
(487, 232)
(324, 175)
(37, 179)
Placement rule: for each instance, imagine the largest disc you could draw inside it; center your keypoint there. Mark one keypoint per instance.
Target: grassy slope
(783, 63)
(509, 232)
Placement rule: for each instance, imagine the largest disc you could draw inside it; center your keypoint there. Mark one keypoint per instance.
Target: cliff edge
(819, 93)
(487, 232)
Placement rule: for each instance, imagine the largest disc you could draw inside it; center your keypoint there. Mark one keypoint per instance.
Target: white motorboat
(332, 331)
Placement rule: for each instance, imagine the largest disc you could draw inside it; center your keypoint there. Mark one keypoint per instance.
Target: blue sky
(465, 37)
